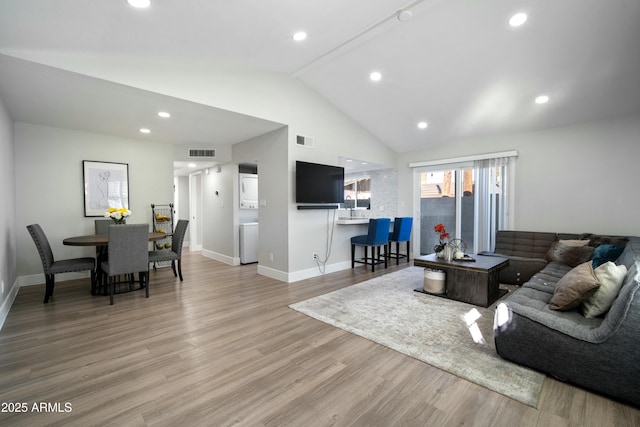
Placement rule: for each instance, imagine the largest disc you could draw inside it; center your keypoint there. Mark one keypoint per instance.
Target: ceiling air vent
(305, 141)
(193, 152)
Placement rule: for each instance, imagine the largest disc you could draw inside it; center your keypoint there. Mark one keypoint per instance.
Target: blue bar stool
(377, 237)
(401, 233)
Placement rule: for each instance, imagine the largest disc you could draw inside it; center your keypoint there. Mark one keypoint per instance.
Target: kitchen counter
(351, 221)
(355, 220)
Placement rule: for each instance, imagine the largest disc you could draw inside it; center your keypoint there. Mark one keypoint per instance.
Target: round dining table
(101, 239)
(102, 242)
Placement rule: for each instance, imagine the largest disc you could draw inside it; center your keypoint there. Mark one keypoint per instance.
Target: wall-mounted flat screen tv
(316, 183)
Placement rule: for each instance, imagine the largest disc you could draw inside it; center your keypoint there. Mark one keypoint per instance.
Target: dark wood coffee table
(471, 282)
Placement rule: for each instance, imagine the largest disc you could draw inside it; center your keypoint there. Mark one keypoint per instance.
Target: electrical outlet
(315, 256)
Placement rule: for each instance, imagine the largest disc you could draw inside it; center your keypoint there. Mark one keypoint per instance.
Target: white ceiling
(43, 95)
(456, 64)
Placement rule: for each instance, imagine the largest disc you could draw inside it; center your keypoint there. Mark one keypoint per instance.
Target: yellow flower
(117, 214)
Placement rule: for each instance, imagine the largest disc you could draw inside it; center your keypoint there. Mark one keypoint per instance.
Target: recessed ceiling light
(164, 114)
(375, 76)
(139, 3)
(518, 19)
(192, 165)
(145, 130)
(422, 125)
(542, 99)
(299, 36)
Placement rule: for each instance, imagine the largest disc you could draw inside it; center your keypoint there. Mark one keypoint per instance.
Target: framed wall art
(106, 185)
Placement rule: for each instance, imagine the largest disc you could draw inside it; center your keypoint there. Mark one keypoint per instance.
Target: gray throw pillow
(574, 287)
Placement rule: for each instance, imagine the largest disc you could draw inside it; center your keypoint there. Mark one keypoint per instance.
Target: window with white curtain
(471, 196)
(493, 196)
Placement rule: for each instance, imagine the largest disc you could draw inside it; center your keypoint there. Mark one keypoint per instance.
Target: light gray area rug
(386, 310)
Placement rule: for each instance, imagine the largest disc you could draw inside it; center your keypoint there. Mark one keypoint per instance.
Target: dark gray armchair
(52, 267)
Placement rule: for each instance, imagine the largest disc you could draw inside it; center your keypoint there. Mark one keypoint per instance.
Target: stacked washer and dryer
(248, 227)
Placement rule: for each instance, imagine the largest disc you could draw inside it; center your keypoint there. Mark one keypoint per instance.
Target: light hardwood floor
(223, 348)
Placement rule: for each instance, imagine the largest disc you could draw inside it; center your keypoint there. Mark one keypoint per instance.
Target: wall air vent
(305, 141)
(193, 152)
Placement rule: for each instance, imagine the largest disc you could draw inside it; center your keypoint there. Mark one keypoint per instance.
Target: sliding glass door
(471, 199)
(446, 197)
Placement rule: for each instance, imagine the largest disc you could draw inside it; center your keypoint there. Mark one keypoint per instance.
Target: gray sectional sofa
(600, 353)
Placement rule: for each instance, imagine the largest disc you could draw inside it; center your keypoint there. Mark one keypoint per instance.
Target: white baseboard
(302, 274)
(315, 271)
(280, 275)
(221, 257)
(8, 302)
(273, 273)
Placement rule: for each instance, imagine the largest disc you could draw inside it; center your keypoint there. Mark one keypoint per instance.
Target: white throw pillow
(611, 277)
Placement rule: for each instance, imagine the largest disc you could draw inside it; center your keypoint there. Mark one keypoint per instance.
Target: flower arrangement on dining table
(442, 231)
(118, 215)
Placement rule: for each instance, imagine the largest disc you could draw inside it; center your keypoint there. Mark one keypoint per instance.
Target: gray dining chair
(175, 254)
(52, 267)
(101, 227)
(128, 254)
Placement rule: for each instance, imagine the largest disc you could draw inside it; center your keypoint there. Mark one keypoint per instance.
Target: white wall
(183, 198)
(575, 179)
(269, 151)
(222, 214)
(181, 202)
(218, 240)
(335, 136)
(49, 186)
(8, 258)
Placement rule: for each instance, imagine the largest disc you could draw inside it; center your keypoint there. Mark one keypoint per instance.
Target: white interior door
(195, 209)
(176, 199)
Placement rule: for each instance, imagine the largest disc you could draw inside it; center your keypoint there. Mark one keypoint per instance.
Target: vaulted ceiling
(457, 64)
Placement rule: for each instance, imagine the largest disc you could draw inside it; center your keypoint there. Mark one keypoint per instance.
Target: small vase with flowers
(439, 249)
(118, 215)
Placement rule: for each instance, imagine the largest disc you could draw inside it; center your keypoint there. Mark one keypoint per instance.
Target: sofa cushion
(574, 242)
(576, 286)
(529, 244)
(548, 277)
(604, 253)
(569, 255)
(611, 277)
(534, 305)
